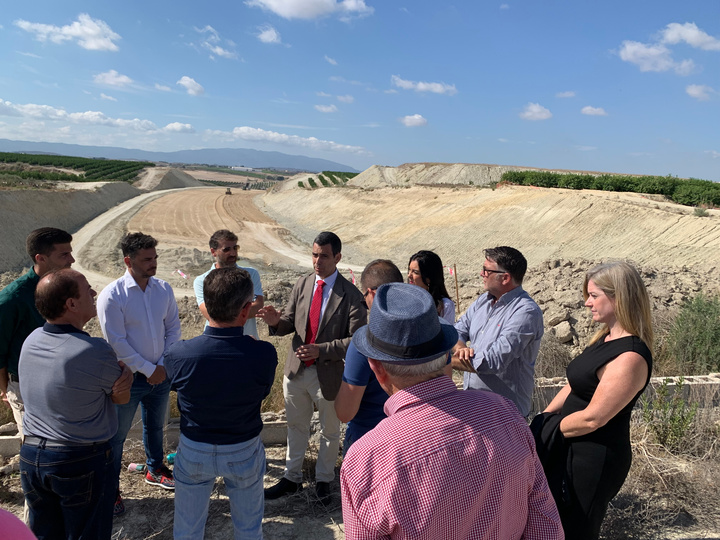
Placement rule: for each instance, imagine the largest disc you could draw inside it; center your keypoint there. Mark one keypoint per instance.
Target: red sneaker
(162, 477)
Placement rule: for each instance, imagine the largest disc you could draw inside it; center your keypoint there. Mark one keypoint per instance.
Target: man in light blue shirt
(504, 327)
(224, 249)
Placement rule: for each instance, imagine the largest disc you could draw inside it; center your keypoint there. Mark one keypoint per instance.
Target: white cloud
(112, 78)
(109, 98)
(413, 120)
(593, 111)
(701, 92)
(268, 34)
(212, 43)
(322, 94)
(91, 34)
(331, 61)
(434, 87)
(346, 99)
(567, 94)
(658, 57)
(8, 109)
(326, 108)
(177, 127)
(247, 133)
(503, 140)
(586, 148)
(193, 88)
(46, 112)
(689, 33)
(535, 111)
(504, 6)
(31, 55)
(713, 153)
(162, 88)
(313, 9)
(655, 57)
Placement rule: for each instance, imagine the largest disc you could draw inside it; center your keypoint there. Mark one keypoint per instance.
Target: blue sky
(616, 86)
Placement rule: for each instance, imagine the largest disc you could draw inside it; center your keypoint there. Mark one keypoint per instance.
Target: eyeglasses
(365, 296)
(487, 271)
(229, 248)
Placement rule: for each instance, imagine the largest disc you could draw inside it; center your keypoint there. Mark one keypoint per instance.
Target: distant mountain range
(208, 156)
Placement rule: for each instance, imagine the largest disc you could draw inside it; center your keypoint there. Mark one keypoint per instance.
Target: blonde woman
(583, 437)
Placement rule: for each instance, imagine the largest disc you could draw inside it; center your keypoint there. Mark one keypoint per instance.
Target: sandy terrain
(217, 176)
(560, 231)
(458, 222)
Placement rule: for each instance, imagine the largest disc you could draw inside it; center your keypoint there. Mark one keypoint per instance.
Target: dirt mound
(459, 222)
(478, 174)
(157, 178)
(68, 207)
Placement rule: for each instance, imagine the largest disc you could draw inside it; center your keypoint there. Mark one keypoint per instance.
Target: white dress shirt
(139, 325)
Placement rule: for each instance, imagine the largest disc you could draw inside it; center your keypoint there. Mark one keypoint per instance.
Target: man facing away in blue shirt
(504, 327)
(361, 399)
(221, 378)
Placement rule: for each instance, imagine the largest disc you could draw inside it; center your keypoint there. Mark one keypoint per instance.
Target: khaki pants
(16, 404)
(18, 408)
(300, 394)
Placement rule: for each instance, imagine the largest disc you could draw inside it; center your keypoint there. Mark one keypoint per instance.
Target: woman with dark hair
(425, 270)
(583, 437)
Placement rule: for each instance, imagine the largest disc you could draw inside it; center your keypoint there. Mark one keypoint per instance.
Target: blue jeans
(242, 467)
(153, 400)
(68, 491)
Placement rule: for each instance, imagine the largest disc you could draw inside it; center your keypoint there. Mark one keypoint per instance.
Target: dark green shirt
(18, 318)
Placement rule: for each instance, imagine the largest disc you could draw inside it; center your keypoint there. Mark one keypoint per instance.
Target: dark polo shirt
(18, 318)
(221, 378)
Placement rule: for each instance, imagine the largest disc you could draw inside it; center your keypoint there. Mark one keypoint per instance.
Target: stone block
(10, 445)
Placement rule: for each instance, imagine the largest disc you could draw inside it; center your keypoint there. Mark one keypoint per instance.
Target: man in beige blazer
(314, 365)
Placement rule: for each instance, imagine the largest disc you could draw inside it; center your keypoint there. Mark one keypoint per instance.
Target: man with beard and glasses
(224, 249)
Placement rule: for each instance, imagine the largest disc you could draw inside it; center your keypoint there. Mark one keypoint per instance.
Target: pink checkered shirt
(447, 464)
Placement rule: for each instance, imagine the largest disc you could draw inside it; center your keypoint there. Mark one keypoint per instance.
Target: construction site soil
(561, 232)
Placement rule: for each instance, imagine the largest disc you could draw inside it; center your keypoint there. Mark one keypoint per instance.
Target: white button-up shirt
(139, 325)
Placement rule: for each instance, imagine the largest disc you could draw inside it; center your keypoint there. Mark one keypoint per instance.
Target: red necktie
(315, 311)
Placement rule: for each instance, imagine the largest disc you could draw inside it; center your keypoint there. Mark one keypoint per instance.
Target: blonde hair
(621, 282)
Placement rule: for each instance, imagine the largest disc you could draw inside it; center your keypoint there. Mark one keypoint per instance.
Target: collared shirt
(506, 338)
(139, 325)
(250, 324)
(447, 464)
(66, 382)
(18, 318)
(327, 289)
(221, 378)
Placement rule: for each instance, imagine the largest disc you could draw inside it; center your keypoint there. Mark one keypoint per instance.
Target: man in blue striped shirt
(504, 327)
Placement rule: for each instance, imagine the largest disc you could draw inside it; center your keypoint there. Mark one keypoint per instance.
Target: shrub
(323, 180)
(692, 192)
(668, 415)
(700, 212)
(693, 341)
(312, 182)
(300, 184)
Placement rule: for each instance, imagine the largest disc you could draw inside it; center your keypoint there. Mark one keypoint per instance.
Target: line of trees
(690, 192)
(93, 169)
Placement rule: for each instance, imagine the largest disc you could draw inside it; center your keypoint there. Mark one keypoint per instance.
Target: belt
(43, 442)
(14, 378)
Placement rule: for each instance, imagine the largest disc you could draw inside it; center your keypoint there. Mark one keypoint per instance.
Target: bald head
(65, 296)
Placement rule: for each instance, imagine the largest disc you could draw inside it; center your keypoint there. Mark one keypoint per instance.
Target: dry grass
(665, 490)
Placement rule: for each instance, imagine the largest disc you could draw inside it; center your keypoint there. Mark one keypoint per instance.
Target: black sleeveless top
(583, 379)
